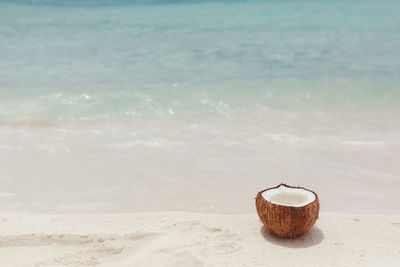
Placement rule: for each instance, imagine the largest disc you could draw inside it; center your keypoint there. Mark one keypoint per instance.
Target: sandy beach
(194, 239)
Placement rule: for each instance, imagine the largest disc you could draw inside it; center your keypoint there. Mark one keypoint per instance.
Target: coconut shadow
(309, 239)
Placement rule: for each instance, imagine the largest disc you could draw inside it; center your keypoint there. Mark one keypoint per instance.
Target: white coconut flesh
(288, 196)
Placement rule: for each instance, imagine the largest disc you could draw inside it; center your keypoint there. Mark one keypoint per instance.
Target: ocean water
(64, 59)
(106, 104)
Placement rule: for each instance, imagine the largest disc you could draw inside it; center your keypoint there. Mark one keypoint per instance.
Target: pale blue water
(107, 104)
(71, 58)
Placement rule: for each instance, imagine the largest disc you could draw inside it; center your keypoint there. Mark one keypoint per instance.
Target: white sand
(191, 239)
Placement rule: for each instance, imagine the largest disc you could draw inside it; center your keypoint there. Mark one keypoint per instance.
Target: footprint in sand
(227, 247)
(183, 226)
(90, 249)
(223, 241)
(185, 258)
(211, 239)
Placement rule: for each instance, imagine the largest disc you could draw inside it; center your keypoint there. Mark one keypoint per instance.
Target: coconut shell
(287, 221)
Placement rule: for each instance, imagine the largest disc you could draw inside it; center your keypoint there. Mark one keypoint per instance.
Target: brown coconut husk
(287, 221)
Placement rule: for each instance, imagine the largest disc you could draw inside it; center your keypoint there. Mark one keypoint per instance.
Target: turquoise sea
(120, 106)
(66, 59)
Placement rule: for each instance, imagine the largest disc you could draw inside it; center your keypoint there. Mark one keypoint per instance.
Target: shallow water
(197, 105)
(201, 164)
(84, 59)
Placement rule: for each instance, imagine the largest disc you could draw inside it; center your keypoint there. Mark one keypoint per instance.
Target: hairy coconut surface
(288, 211)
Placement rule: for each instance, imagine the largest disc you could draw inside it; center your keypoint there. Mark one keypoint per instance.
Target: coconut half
(287, 211)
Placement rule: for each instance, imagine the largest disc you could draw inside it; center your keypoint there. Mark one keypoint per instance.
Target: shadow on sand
(312, 238)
